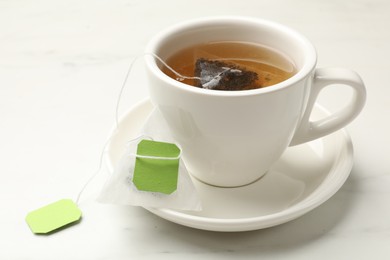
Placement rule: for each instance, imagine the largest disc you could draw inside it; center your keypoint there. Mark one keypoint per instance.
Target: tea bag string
(180, 77)
(95, 173)
(101, 157)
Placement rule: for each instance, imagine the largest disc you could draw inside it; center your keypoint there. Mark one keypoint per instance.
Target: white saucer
(305, 177)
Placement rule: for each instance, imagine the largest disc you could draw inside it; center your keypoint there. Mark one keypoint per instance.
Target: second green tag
(155, 174)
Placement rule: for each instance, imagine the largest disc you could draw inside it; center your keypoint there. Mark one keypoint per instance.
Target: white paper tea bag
(127, 186)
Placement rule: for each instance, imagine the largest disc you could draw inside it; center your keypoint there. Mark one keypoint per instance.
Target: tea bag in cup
(221, 75)
(218, 73)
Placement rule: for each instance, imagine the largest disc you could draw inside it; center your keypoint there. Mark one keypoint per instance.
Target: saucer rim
(309, 203)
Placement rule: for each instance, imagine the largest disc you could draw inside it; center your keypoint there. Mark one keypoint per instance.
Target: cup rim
(152, 46)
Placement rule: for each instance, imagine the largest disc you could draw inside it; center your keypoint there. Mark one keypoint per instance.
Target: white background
(61, 66)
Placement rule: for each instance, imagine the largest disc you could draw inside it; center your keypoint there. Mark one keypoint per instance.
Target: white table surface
(61, 67)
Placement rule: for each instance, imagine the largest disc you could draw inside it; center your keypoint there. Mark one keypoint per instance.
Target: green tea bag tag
(53, 216)
(156, 167)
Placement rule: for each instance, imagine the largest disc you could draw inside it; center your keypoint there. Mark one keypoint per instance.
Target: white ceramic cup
(231, 138)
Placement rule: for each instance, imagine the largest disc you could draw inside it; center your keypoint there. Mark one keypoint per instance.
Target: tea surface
(230, 65)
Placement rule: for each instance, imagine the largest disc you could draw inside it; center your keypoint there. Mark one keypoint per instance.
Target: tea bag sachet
(213, 72)
(151, 172)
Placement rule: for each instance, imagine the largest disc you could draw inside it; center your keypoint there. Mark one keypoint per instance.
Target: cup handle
(309, 130)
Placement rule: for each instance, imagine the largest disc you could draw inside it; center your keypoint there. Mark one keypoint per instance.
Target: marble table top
(61, 67)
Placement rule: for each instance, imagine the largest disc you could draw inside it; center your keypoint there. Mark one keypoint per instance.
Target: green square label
(53, 216)
(155, 174)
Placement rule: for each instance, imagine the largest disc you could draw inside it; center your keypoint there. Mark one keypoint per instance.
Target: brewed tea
(230, 65)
